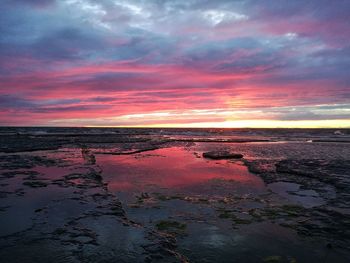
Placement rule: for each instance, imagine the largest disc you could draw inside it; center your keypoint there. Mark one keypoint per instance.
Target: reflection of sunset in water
(169, 168)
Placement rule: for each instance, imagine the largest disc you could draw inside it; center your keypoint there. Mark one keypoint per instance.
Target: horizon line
(169, 127)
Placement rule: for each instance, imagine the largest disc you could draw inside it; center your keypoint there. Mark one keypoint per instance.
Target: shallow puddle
(211, 199)
(292, 191)
(177, 170)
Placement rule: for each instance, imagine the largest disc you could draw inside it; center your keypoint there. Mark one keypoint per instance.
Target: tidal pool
(163, 205)
(212, 199)
(175, 169)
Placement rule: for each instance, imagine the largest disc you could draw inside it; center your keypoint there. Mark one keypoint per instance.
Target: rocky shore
(157, 197)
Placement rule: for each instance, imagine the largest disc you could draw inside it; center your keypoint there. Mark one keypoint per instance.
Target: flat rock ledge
(219, 155)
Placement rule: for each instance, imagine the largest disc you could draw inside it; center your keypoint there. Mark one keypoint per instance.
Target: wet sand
(151, 196)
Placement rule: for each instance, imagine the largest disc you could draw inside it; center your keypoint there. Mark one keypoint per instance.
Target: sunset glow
(175, 63)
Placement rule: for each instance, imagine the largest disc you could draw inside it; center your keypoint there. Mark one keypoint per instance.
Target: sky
(175, 63)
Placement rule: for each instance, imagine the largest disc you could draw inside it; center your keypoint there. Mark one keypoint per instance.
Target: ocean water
(273, 134)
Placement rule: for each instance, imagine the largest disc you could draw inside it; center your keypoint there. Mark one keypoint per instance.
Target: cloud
(32, 3)
(15, 102)
(112, 58)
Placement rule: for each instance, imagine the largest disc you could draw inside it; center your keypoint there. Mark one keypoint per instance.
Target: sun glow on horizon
(323, 116)
(344, 123)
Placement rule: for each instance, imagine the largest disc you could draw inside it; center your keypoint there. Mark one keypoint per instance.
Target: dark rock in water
(329, 245)
(88, 157)
(217, 155)
(95, 176)
(35, 184)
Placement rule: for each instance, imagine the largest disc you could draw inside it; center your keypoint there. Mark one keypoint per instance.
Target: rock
(218, 155)
(329, 246)
(272, 259)
(95, 176)
(88, 156)
(35, 184)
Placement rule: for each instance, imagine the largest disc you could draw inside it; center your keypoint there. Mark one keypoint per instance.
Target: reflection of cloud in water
(172, 168)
